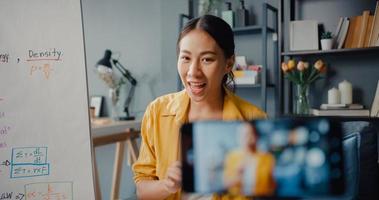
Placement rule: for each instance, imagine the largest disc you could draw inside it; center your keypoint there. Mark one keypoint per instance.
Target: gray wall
(142, 34)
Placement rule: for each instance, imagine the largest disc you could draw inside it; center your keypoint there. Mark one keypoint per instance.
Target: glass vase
(114, 108)
(114, 115)
(302, 99)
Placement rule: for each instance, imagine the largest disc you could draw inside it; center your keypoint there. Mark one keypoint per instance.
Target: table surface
(103, 126)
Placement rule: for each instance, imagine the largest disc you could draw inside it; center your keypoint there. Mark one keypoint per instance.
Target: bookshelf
(332, 51)
(254, 85)
(358, 65)
(252, 30)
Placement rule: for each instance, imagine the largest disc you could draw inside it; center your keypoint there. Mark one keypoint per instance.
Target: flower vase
(302, 99)
(114, 115)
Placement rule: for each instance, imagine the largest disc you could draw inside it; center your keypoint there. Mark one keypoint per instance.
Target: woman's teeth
(196, 88)
(197, 84)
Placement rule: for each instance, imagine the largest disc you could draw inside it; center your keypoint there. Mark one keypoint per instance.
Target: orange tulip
(291, 64)
(284, 67)
(319, 65)
(323, 70)
(306, 65)
(301, 66)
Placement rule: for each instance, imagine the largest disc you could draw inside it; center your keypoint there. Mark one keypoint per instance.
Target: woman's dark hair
(221, 32)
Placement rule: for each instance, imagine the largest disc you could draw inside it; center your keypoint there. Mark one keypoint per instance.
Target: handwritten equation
(4, 130)
(21, 171)
(4, 57)
(40, 61)
(29, 155)
(11, 196)
(46, 54)
(3, 145)
(29, 162)
(49, 191)
(46, 69)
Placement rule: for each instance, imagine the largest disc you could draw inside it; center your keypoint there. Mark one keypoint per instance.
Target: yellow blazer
(160, 131)
(264, 181)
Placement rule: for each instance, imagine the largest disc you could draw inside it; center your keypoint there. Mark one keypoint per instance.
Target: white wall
(144, 34)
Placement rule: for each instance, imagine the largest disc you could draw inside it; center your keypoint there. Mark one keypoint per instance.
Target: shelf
(247, 85)
(251, 29)
(332, 117)
(333, 51)
(252, 85)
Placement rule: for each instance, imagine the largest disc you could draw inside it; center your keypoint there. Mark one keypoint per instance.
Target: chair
(360, 144)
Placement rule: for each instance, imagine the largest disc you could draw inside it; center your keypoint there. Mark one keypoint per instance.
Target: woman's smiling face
(202, 65)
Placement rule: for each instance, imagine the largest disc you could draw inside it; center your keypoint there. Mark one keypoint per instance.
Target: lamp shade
(106, 60)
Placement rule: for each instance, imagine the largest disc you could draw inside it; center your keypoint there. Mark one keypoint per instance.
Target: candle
(334, 96)
(346, 92)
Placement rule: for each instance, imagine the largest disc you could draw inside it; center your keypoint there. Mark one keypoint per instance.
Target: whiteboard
(45, 143)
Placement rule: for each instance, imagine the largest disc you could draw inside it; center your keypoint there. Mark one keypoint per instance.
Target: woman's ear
(230, 63)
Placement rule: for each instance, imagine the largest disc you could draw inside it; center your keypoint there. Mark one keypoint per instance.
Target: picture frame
(96, 102)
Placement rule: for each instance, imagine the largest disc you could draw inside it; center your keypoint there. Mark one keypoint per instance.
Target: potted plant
(326, 40)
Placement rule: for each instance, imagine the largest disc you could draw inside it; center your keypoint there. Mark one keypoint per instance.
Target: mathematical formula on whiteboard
(36, 63)
(45, 143)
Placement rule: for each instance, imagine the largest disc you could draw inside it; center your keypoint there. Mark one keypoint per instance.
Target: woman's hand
(161, 189)
(173, 180)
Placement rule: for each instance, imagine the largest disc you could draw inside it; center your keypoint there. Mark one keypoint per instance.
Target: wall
(142, 34)
(133, 31)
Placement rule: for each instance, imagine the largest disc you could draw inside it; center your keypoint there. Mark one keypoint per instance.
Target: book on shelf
(352, 33)
(369, 30)
(363, 28)
(374, 35)
(342, 32)
(375, 103)
(337, 32)
(341, 106)
(341, 112)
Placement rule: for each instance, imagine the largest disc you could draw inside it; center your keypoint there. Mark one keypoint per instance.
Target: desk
(105, 131)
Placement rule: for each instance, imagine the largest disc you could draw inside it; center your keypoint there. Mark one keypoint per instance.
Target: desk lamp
(106, 62)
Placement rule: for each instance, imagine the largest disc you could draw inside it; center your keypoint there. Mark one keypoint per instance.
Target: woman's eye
(184, 58)
(207, 60)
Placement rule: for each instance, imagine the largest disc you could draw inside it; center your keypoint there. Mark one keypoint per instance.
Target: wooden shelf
(251, 29)
(333, 51)
(252, 85)
(247, 85)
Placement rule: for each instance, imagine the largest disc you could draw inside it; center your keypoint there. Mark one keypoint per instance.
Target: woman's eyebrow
(185, 51)
(208, 52)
